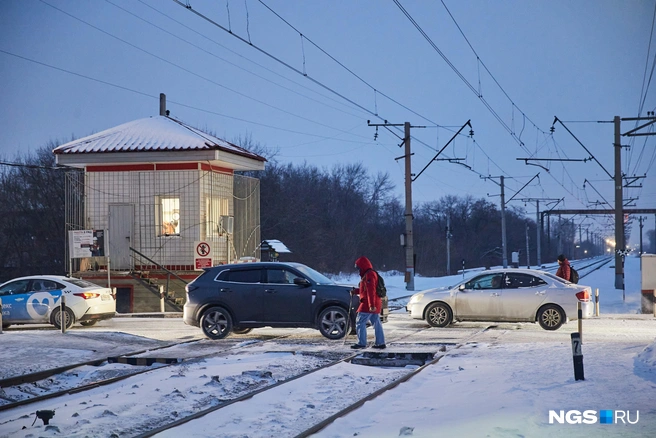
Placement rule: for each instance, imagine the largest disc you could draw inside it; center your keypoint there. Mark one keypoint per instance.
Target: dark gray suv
(244, 296)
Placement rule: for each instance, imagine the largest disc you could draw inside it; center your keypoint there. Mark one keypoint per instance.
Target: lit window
(169, 216)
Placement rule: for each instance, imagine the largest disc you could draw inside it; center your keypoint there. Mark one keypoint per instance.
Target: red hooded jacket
(367, 288)
(564, 271)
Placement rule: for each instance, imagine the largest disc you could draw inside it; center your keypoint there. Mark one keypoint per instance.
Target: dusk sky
(71, 68)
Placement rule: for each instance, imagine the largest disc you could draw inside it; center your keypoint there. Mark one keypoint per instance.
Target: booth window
(215, 207)
(169, 216)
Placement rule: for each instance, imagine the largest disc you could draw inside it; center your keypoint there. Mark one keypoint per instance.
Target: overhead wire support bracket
(556, 119)
(630, 133)
(468, 123)
(518, 191)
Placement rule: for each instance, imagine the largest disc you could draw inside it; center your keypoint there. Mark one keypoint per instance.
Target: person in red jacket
(563, 268)
(370, 305)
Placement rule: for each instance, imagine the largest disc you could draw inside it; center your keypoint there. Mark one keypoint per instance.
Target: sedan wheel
(551, 317)
(56, 318)
(216, 323)
(438, 315)
(332, 322)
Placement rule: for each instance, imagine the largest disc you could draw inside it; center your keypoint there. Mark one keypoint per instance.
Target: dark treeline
(330, 217)
(327, 217)
(32, 234)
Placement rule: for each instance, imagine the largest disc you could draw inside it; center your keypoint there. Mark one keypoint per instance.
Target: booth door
(121, 223)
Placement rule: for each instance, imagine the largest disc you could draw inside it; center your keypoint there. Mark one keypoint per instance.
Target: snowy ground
(503, 384)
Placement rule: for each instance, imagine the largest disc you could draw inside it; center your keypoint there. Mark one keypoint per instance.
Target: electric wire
(131, 90)
(480, 61)
(294, 69)
(192, 72)
(376, 91)
(168, 32)
(461, 76)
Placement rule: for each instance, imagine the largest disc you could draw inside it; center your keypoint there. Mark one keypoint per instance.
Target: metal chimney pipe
(162, 104)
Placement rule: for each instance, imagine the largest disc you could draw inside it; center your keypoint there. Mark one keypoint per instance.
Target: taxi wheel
(69, 318)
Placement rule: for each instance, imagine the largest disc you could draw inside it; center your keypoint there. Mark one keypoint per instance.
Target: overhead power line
(461, 76)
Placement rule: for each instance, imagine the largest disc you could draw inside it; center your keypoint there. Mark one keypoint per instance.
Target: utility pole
(408, 236)
(503, 212)
(640, 219)
(619, 214)
(539, 221)
(409, 248)
(620, 244)
(448, 245)
(504, 251)
(528, 259)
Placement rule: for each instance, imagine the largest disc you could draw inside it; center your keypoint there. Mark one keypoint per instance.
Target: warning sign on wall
(202, 255)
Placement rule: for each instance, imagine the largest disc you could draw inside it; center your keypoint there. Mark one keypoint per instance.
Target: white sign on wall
(86, 243)
(80, 243)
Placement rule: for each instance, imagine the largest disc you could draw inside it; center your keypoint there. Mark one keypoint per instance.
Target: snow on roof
(151, 134)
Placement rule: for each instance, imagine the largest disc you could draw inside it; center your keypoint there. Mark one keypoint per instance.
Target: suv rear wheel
(332, 322)
(216, 323)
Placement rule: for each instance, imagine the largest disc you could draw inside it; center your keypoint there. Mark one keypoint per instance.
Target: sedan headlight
(416, 298)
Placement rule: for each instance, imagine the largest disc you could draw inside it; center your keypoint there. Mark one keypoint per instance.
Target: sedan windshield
(313, 275)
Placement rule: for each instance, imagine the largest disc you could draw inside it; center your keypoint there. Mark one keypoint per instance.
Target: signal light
(584, 295)
(87, 295)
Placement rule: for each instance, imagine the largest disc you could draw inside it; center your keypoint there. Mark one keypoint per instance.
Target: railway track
(52, 383)
(213, 386)
(302, 390)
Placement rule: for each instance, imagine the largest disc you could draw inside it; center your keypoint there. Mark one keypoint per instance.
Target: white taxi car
(36, 300)
(504, 295)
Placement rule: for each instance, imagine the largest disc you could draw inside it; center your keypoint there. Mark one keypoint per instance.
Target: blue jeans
(361, 328)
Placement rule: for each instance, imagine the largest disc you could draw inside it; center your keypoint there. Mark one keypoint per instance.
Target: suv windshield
(312, 274)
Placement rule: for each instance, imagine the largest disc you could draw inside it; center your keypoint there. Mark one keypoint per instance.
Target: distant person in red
(370, 305)
(563, 269)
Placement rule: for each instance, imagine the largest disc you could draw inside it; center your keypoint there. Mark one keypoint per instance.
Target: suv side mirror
(301, 282)
(461, 287)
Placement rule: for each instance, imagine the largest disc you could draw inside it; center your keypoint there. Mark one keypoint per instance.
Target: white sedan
(37, 300)
(504, 295)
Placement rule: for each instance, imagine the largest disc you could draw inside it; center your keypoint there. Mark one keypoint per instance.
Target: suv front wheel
(332, 322)
(216, 323)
